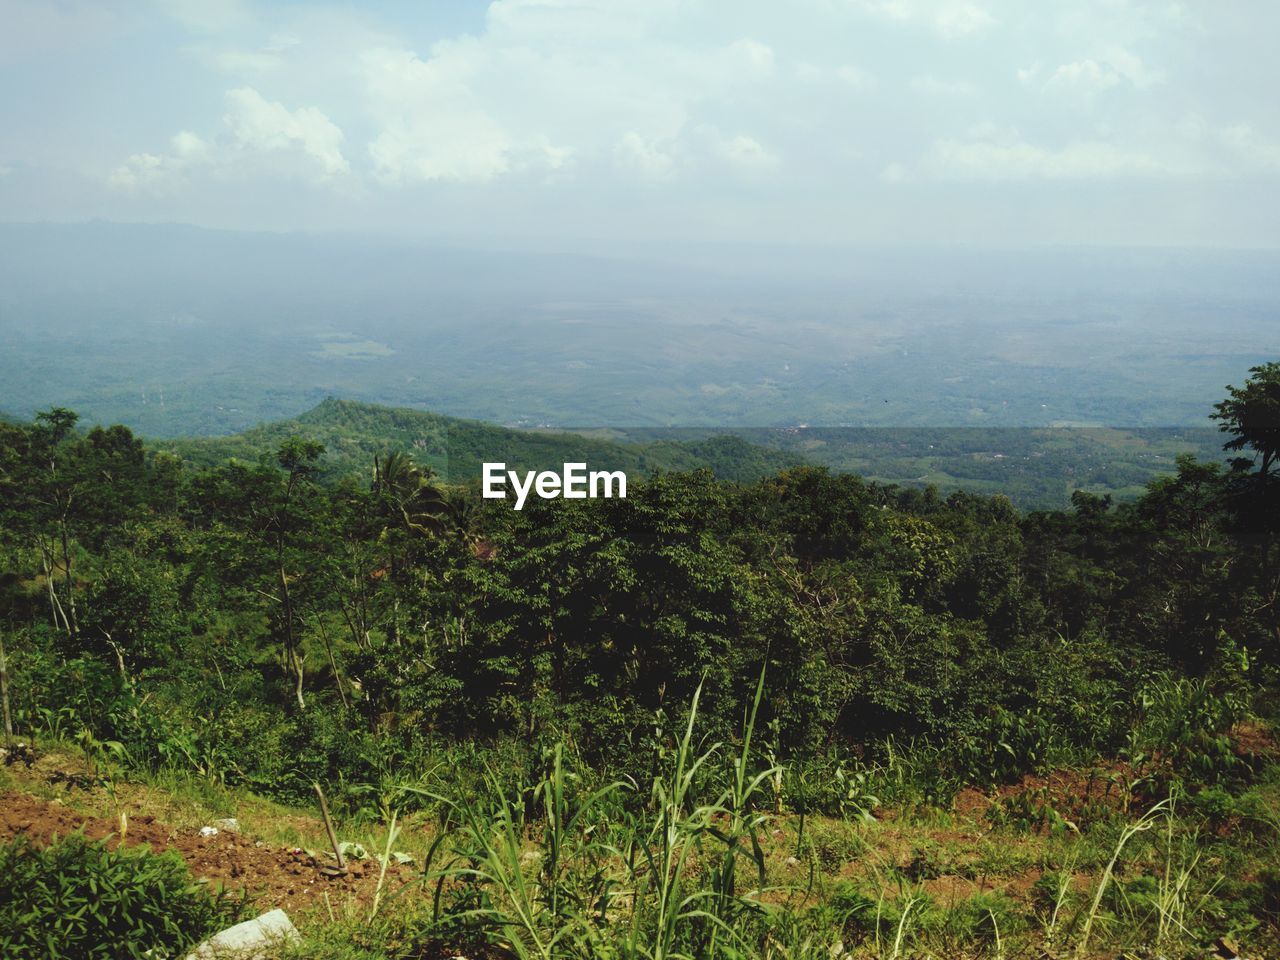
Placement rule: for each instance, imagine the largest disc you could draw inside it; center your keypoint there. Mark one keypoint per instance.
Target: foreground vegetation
(82, 899)
(809, 716)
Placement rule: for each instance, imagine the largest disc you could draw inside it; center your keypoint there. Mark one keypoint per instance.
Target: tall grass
(538, 857)
(1144, 823)
(558, 870)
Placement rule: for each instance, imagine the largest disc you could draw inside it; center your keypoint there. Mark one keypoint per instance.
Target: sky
(602, 124)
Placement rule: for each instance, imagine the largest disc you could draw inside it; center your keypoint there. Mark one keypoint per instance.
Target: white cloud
(144, 170)
(961, 19)
(1186, 150)
(855, 78)
(950, 19)
(258, 136)
(1011, 158)
(1117, 67)
(748, 155)
(928, 85)
(644, 158)
(666, 105)
(521, 99)
(1088, 75)
(260, 126)
(1254, 151)
(188, 147)
(552, 156)
(274, 56)
(161, 172)
(449, 145)
(754, 57)
(845, 75)
(432, 126)
(208, 16)
(895, 173)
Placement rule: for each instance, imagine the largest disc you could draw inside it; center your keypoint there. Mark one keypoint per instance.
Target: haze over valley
(177, 330)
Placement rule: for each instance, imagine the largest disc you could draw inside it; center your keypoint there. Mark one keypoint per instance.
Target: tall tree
(297, 457)
(1251, 414)
(58, 490)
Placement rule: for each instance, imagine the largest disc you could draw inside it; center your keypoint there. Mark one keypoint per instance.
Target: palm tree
(409, 498)
(464, 519)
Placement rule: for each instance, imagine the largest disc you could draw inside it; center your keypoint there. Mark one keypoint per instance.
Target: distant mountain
(353, 433)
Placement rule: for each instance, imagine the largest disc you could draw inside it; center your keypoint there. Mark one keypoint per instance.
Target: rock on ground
(251, 940)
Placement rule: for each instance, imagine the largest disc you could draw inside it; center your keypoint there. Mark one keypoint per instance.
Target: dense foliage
(335, 629)
(533, 677)
(77, 900)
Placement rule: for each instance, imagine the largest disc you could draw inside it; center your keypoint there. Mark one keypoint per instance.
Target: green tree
(132, 608)
(1251, 414)
(267, 532)
(57, 488)
(288, 525)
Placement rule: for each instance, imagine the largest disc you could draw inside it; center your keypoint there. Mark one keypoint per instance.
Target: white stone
(251, 940)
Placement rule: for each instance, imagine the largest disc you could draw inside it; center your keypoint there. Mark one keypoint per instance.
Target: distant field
(180, 332)
(1036, 468)
(916, 368)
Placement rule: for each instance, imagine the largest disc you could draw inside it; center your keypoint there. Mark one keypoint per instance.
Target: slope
(354, 432)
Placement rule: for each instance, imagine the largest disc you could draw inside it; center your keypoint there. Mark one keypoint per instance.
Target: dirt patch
(949, 890)
(1253, 741)
(284, 877)
(1070, 794)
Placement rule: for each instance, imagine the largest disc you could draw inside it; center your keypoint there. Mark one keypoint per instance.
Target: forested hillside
(1034, 468)
(354, 433)
(805, 716)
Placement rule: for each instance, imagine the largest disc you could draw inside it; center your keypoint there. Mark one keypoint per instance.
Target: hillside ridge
(354, 431)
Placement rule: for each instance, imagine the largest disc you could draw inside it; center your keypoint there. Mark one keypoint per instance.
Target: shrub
(1186, 722)
(79, 899)
(1006, 744)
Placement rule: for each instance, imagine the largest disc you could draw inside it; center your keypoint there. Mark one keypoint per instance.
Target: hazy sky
(594, 122)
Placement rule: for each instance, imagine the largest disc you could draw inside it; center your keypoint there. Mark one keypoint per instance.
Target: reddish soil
(949, 889)
(1072, 794)
(1253, 741)
(272, 876)
(1076, 794)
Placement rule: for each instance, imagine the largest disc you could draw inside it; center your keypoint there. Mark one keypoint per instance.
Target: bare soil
(1071, 793)
(286, 877)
